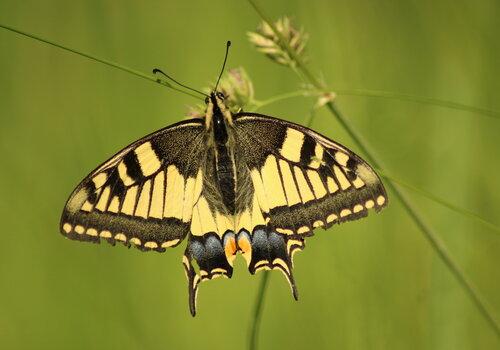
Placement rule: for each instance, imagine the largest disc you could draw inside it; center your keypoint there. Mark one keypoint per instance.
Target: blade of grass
(436, 243)
(97, 59)
(257, 313)
(419, 99)
(441, 201)
(351, 92)
(386, 94)
(260, 104)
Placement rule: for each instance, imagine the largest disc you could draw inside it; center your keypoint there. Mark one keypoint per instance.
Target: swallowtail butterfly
(228, 183)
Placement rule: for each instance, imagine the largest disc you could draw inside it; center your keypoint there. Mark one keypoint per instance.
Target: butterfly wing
(144, 194)
(301, 180)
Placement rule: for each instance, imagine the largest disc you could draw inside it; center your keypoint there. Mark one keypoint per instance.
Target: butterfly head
(218, 115)
(217, 110)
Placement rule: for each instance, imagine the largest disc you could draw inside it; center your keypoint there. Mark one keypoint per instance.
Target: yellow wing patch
(250, 218)
(158, 196)
(272, 183)
(292, 145)
(291, 191)
(148, 159)
(203, 220)
(174, 194)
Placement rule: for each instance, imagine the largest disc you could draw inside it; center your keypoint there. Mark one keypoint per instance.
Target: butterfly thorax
(218, 121)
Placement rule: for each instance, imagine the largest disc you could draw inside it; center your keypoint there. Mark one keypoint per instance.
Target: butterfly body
(229, 183)
(225, 168)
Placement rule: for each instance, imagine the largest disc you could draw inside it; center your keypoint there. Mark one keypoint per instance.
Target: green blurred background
(370, 284)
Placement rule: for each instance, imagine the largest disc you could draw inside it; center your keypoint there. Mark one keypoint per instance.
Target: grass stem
(388, 95)
(441, 201)
(257, 313)
(97, 59)
(418, 99)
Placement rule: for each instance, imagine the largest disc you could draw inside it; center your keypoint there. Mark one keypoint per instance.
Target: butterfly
(227, 183)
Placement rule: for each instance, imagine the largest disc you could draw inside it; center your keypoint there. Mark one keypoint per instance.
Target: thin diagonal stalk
(441, 201)
(436, 243)
(388, 95)
(353, 92)
(260, 104)
(100, 60)
(257, 313)
(419, 99)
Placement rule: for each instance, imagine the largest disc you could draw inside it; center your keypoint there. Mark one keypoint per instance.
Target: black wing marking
(144, 194)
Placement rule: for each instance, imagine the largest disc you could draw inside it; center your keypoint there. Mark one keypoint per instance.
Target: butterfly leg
(205, 258)
(266, 249)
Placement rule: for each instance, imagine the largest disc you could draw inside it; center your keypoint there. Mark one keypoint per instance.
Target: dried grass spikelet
(195, 112)
(238, 89)
(236, 86)
(267, 42)
(324, 98)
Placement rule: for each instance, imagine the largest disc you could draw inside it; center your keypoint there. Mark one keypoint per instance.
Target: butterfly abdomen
(226, 177)
(224, 163)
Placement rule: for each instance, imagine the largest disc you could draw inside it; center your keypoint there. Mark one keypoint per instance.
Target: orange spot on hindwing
(230, 247)
(245, 246)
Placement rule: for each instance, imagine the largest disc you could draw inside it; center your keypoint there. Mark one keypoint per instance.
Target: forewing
(144, 194)
(304, 179)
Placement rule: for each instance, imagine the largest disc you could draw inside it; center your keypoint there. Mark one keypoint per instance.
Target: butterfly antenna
(223, 65)
(156, 70)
